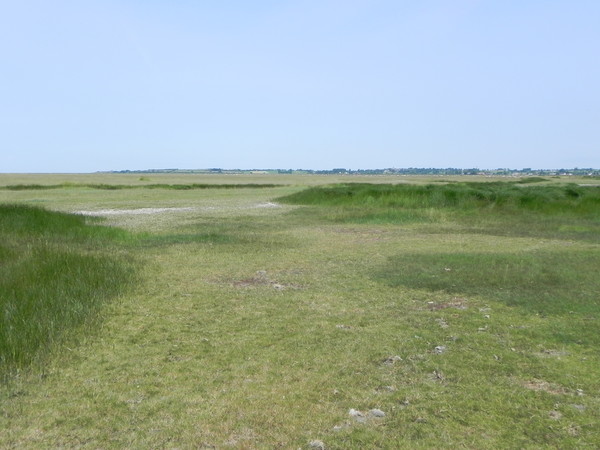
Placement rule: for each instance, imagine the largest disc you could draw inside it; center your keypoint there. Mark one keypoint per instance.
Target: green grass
(262, 327)
(55, 275)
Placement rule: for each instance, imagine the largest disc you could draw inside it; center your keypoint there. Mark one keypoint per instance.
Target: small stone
(391, 360)
(556, 415)
(440, 349)
(442, 323)
(357, 415)
(579, 391)
(316, 444)
(377, 413)
(438, 376)
(579, 408)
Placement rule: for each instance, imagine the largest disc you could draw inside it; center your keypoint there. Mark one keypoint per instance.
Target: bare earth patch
(456, 303)
(261, 279)
(541, 385)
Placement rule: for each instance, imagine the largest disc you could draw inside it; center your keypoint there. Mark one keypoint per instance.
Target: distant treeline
(389, 171)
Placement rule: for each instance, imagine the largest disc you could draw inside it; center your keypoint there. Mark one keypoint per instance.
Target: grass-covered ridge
(56, 271)
(493, 195)
(567, 211)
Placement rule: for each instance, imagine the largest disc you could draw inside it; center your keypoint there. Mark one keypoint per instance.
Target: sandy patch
(132, 212)
(149, 211)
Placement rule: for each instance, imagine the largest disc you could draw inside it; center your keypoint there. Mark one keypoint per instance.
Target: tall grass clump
(56, 271)
(455, 195)
(385, 203)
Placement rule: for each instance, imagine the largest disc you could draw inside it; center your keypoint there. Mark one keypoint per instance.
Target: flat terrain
(259, 323)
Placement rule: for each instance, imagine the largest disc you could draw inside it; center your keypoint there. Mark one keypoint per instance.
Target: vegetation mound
(456, 195)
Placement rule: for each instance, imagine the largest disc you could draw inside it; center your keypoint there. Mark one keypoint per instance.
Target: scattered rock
(386, 389)
(377, 413)
(357, 415)
(439, 349)
(579, 408)
(343, 327)
(438, 376)
(391, 360)
(316, 444)
(556, 415)
(442, 323)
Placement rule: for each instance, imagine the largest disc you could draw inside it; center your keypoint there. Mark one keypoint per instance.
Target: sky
(103, 85)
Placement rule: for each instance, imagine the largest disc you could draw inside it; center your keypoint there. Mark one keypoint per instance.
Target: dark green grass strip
(561, 282)
(560, 286)
(55, 274)
(114, 187)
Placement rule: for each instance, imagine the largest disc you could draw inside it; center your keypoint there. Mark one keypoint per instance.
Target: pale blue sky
(109, 85)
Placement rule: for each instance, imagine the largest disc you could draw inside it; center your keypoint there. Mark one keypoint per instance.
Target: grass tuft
(55, 273)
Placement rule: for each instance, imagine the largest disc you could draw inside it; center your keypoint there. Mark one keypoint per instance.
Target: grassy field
(403, 313)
